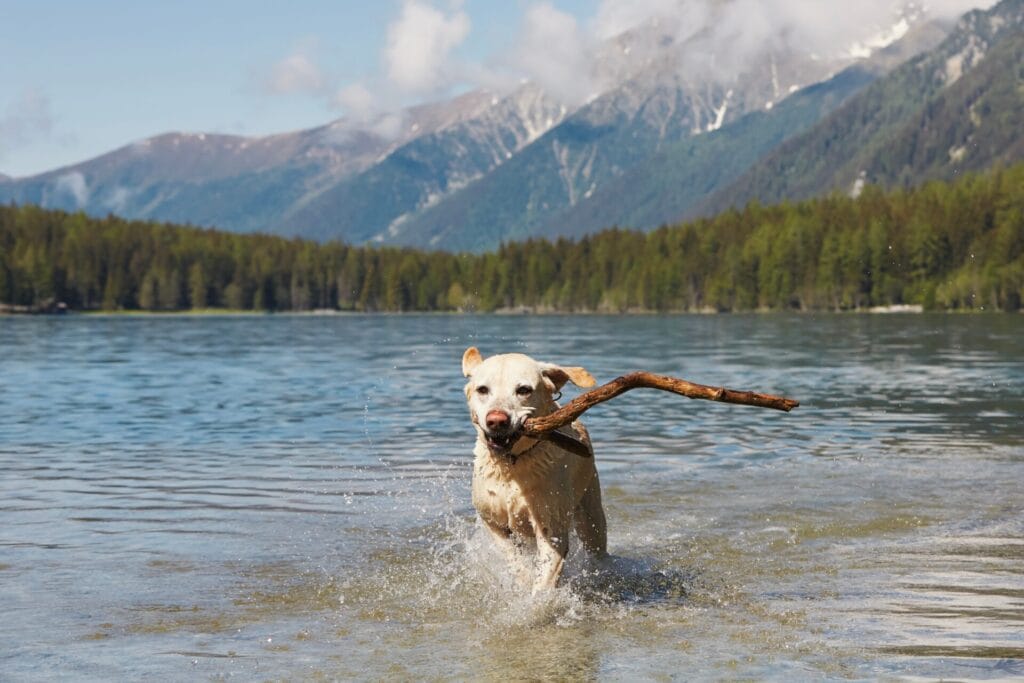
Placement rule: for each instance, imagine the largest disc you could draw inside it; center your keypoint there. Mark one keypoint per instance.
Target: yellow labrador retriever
(530, 491)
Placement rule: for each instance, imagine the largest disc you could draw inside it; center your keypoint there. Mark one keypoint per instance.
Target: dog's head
(506, 389)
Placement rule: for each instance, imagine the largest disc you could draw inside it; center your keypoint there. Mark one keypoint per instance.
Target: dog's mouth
(501, 443)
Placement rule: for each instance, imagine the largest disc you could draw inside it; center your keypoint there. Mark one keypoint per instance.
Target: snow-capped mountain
(677, 93)
(375, 202)
(484, 167)
(241, 183)
(955, 108)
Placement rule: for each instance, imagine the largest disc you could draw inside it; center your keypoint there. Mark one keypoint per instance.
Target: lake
(287, 497)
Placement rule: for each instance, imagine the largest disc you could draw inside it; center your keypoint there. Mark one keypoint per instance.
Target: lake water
(271, 497)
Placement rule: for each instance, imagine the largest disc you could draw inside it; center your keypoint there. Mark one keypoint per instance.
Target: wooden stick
(538, 426)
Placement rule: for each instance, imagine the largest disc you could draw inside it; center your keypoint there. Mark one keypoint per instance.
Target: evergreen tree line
(944, 246)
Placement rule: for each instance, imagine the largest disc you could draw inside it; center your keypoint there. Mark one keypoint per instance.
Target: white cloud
(555, 53)
(26, 120)
(571, 58)
(388, 125)
(746, 26)
(116, 200)
(955, 7)
(418, 64)
(296, 73)
(74, 184)
(357, 101)
(365, 110)
(419, 45)
(614, 18)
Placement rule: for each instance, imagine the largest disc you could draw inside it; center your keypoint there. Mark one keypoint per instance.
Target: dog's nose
(497, 420)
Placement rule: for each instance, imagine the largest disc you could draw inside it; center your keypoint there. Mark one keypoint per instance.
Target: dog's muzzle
(500, 433)
(501, 444)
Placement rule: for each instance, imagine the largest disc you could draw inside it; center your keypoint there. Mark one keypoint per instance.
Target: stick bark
(539, 426)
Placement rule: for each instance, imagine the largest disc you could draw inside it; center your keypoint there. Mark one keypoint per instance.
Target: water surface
(288, 497)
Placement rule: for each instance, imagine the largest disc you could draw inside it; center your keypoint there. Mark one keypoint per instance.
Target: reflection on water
(287, 497)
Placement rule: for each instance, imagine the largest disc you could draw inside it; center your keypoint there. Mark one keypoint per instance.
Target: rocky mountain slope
(638, 177)
(375, 202)
(674, 130)
(972, 124)
(231, 182)
(955, 108)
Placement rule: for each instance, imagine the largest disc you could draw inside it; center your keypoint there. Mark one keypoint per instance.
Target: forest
(943, 246)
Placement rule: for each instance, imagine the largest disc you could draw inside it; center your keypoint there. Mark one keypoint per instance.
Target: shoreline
(897, 309)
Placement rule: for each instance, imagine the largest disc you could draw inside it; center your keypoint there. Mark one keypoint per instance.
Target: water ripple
(291, 494)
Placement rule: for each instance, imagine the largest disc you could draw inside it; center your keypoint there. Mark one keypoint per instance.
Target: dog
(531, 492)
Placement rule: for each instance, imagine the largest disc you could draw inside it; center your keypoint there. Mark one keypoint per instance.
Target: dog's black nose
(497, 421)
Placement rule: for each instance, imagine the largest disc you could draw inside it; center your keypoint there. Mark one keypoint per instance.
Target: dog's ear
(470, 359)
(559, 376)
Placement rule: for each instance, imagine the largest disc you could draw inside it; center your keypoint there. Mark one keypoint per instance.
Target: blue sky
(78, 77)
(82, 77)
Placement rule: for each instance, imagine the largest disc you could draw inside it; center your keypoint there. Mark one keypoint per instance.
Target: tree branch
(539, 426)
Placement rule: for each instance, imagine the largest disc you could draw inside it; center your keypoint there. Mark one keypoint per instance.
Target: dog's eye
(482, 390)
(524, 390)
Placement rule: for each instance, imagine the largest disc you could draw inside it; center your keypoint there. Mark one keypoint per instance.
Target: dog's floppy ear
(559, 376)
(470, 359)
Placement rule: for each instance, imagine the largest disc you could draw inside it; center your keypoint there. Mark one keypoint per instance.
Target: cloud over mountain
(419, 45)
(555, 53)
(296, 73)
(26, 118)
(569, 58)
(609, 123)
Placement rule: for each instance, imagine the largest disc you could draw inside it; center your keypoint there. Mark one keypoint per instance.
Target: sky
(80, 78)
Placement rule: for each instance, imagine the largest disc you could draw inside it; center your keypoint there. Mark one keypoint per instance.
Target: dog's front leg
(513, 554)
(551, 552)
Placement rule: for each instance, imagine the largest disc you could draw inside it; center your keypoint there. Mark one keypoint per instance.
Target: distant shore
(898, 309)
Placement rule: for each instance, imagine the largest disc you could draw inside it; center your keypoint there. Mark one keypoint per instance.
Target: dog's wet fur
(529, 492)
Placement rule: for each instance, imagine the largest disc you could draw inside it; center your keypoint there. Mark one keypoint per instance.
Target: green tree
(198, 291)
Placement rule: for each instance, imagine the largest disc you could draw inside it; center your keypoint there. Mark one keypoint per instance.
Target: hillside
(375, 201)
(973, 124)
(485, 167)
(941, 246)
(665, 137)
(666, 186)
(610, 163)
(877, 135)
(236, 183)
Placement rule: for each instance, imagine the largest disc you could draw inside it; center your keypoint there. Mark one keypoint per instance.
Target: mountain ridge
(835, 153)
(657, 145)
(518, 196)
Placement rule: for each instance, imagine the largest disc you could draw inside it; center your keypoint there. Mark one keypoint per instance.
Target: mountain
(655, 106)
(505, 174)
(238, 183)
(954, 108)
(975, 123)
(376, 201)
(673, 127)
(670, 183)
(229, 179)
